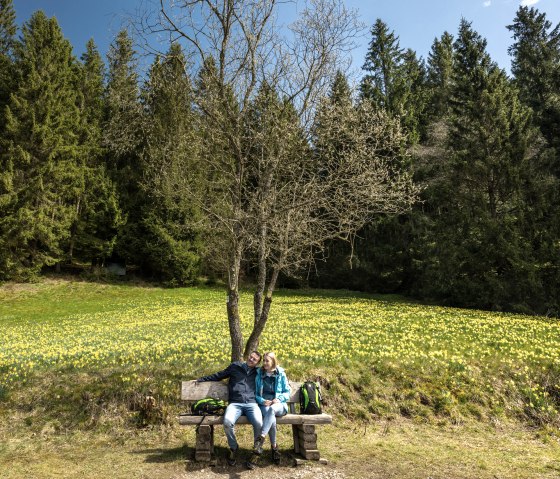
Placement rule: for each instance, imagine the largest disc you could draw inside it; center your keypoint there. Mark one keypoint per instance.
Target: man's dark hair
(257, 353)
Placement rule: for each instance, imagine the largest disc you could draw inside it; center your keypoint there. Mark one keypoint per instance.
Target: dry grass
(397, 449)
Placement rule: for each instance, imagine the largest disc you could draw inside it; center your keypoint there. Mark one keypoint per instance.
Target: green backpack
(310, 398)
(209, 407)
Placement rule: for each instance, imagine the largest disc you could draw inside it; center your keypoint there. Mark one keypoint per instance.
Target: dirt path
(286, 470)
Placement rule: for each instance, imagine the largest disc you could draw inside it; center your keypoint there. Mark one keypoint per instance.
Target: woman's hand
(267, 402)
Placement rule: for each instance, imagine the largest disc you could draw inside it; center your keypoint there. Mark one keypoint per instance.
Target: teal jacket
(282, 386)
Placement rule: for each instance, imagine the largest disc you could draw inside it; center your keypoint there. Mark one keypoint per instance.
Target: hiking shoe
(275, 455)
(251, 463)
(259, 445)
(232, 457)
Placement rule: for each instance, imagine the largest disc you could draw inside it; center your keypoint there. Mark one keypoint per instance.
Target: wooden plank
(193, 391)
(311, 454)
(300, 419)
(307, 428)
(298, 461)
(304, 419)
(295, 432)
(202, 456)
(306, 436)
(205, 438)
(307, 445)
(204, 446)
(294, 392)
(204, 431)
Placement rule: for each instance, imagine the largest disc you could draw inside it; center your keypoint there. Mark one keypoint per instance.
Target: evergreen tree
(123, 137)
(382, 84)
(394, 79)
(481, 256)
(94, 230)
(415, 97)
(7, 38)
(439, 75)
(170, 246)
(43, 173)
(341, 92)
(536, 68)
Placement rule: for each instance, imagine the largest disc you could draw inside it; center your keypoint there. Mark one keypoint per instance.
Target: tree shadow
(218, 466)
(163, 455)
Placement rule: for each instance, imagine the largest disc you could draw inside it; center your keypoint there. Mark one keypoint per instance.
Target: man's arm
(225, 373)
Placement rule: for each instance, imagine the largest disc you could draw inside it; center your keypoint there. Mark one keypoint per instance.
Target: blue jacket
(282, 386)
(241, 385)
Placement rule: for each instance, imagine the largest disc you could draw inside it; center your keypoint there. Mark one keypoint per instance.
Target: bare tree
(274, 194)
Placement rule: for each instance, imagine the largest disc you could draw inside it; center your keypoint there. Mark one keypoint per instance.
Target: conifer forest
(246, 154)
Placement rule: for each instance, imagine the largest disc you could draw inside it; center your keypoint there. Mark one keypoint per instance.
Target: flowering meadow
(74, 327)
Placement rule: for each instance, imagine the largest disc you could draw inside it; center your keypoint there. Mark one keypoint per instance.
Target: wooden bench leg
(307, 442)
(295, 432)
(204, 443)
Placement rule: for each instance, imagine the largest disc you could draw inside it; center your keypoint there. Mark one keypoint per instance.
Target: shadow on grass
(162, 455)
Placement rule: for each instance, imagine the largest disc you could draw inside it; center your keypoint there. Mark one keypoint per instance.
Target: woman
(272, 394)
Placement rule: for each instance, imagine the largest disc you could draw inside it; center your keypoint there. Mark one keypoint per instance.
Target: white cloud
(528, 3)
(487, 3)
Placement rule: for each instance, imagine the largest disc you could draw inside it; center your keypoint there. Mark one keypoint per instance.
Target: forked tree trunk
(234, 325)
(233, 307)
(258, 328)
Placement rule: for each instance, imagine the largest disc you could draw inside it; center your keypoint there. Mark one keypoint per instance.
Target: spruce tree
(45, 176)
(123, 138)
(169, 247)
(439, 76)
(481, 255)
(394, 79)
(7, 38)
(94, 230)
(536, 68)
(382, 83)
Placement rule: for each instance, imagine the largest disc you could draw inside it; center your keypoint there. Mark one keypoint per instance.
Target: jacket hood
(280, 370)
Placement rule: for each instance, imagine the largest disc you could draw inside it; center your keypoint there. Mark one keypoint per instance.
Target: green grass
(77, 360)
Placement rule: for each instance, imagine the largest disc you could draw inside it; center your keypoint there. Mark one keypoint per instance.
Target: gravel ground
(286, 470)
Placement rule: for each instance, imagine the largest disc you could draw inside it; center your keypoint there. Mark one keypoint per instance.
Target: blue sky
(416, 22)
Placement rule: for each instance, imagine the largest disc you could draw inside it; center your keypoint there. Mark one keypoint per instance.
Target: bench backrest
(192, 391)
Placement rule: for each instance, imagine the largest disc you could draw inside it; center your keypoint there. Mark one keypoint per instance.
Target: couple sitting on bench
(261, 394)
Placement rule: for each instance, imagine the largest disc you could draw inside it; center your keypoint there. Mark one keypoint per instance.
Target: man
(242, 401)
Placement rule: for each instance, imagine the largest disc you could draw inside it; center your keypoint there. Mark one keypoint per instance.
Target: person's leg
(268, 419)
(233, 411)
(254, 416)
(253, 413)
(276, 410)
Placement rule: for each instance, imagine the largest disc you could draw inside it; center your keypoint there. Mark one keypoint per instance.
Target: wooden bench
(303, 425)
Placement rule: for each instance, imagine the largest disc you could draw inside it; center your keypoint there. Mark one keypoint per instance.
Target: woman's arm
(285, 390)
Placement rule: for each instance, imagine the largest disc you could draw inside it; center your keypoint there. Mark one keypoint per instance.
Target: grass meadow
(417, 390)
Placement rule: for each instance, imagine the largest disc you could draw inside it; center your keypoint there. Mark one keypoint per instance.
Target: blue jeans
(233, 412)
(269, 414)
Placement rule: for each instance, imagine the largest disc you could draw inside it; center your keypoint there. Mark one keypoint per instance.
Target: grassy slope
(418, 396)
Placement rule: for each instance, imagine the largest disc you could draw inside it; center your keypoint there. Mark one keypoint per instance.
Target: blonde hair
(272, 357)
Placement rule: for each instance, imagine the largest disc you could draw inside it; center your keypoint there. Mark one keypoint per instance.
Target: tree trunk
(258, 328)
(261, 278)
(234, 325)
(233, 306)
